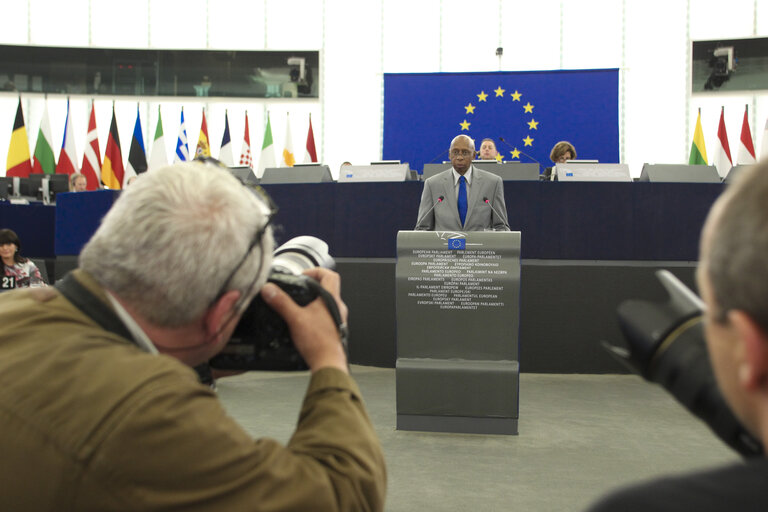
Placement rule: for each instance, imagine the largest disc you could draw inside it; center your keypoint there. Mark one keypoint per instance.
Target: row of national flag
(723, 159)
(112, 172)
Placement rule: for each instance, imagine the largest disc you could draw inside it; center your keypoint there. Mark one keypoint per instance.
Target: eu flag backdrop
(530, 110)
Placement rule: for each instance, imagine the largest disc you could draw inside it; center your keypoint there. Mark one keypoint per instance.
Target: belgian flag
(18, 163)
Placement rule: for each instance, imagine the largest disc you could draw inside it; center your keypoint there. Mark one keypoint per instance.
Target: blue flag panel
(530, 111)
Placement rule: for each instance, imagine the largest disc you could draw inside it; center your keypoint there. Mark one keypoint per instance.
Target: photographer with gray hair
(98, 411)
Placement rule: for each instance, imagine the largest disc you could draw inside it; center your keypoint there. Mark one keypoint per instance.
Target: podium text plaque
(457, 305)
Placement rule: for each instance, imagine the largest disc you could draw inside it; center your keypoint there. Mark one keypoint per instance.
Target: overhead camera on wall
(722, 63)
(301, 74)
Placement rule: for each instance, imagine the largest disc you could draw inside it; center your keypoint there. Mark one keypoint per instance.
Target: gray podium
(458, 317)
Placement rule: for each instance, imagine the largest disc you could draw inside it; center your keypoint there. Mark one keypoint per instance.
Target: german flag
(112, 170)
(18, 163)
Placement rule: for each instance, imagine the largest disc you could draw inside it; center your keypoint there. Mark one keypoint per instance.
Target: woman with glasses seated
(19, 272)
(561, 153)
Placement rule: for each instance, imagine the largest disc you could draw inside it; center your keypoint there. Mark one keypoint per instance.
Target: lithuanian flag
(698, 150)
(18, 163)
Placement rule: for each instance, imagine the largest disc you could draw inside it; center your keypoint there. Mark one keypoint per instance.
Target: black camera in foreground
(665, 345)
(261, 340)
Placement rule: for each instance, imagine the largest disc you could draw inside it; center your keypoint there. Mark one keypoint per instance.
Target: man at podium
(463, 198)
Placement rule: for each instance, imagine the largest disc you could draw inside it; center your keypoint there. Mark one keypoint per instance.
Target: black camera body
(261, 340)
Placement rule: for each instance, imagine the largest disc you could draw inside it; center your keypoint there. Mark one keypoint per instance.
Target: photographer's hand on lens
(313, 330)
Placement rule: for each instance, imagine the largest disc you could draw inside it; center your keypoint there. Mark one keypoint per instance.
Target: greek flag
(182, 149)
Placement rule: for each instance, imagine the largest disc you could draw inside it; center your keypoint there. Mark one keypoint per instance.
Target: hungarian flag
(245, 154)
(158, 158)
(137, 155)
(203, 146)
(267, 158)
(746, 147)
(91, 167)
(225, 153)
(288, 157)
(182, 148)
(18, 163)
(68, 156)
(44, 160)
(698, 149)
(311, 154)
(723, 161)
(112, 171)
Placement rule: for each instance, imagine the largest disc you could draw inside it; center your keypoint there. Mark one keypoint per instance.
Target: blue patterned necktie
(462, 199)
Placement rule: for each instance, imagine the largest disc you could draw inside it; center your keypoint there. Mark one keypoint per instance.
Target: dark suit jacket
(445, 215)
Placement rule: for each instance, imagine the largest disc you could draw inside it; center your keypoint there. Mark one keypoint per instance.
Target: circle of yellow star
(498, 157)
(528, 141)
(499, 91)
(516, 96)
(482, 96)
(515, 153)
(470, 108)
(465, 125)
(528, 108)
(533, 124)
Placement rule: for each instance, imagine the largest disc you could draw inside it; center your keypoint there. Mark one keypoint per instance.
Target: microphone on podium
(521, 152)
(439, 200)
(486, 201)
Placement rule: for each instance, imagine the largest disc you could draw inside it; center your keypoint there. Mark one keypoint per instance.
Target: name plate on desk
(368, 173)
(592, 172)
(679, 173)
(512, 171)
(432, 169)
(303, 174)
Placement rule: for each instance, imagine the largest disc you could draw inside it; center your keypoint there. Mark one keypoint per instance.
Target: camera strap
(92, 306)
(333, 309)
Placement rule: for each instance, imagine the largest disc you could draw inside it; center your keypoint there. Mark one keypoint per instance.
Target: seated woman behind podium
(561, 153)
(18, 272)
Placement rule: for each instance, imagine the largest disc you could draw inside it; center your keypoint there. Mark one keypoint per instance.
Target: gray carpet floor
(579, 436)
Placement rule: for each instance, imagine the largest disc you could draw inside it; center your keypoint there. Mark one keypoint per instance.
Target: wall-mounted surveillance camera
(298, 74)
(722, 63)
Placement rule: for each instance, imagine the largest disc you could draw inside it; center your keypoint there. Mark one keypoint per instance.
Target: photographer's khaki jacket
(88, 421)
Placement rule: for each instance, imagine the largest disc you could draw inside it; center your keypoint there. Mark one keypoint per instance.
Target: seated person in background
(18, 272)
(463, 198)
(561, 153)
(488, 150)
(100, 407)
(77, 183)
